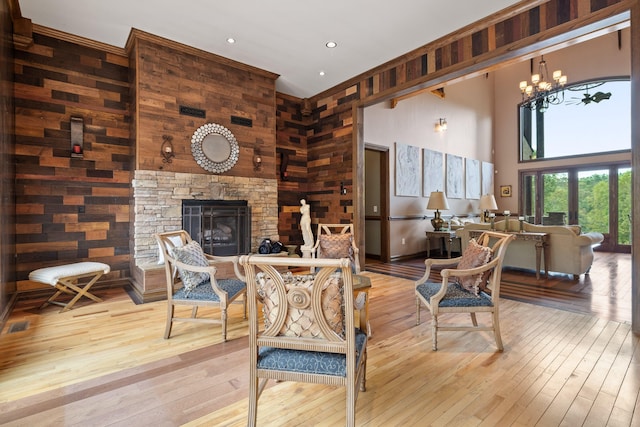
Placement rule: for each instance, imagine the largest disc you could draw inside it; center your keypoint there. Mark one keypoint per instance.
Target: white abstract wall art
(472, 184)
(432, 171)
(407, 170)
(455, 177)
(487, 178)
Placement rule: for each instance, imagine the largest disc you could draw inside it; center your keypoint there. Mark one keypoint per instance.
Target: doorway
(376, 202)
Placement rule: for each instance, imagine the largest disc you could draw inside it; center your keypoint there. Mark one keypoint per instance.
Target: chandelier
(541, 93)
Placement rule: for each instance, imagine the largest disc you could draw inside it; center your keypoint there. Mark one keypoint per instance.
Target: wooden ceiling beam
(22, 27)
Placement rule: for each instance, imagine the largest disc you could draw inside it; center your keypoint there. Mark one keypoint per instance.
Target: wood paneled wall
(291, 153)
(7, 170)
(71, 209)
(168, 75)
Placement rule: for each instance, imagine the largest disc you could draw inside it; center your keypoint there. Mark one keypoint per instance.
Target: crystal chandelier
(541, 93)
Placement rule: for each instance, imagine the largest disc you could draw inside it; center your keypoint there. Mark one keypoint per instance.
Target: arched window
(589, 117)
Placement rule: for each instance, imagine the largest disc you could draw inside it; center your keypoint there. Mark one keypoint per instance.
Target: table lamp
(437, 201)
(487, 203)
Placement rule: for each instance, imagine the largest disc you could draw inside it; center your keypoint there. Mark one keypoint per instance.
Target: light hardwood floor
(107, 364)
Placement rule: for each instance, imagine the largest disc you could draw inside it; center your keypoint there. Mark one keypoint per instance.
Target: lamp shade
(437, 200)
(488, 203)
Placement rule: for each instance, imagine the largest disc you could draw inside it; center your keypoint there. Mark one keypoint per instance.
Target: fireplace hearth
(222, 227)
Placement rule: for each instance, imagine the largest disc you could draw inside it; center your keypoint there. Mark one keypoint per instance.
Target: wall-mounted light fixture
(441, 125)
(257, 159)
(77, 138)
(166, 149)
(343, 189)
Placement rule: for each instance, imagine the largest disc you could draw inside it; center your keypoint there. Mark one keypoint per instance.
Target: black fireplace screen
(222, 227)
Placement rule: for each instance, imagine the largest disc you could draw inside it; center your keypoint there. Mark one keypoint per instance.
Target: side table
(444, 236)
(361, 286)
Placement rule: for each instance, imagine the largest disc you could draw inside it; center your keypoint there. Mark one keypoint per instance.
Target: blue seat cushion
(204, 292)
(456, 295)
(309, 362)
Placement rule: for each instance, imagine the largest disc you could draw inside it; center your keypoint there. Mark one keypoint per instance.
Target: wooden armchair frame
(448, 297)
(218, 292)
(325, 358)
(329, 229)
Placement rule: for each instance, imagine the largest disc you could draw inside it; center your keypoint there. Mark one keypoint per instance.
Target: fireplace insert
(222, 227)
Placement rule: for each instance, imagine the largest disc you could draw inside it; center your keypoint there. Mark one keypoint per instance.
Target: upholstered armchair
(308, 333)
(191, 280)
(469, 284)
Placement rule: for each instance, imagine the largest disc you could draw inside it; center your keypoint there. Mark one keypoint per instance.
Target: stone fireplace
(157, 207)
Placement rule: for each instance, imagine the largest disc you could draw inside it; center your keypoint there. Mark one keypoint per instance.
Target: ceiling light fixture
(331, 45)
(322, 73)
(231, 40)
(541, 93)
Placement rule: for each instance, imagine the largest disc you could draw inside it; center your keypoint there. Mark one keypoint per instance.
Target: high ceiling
(286, 37)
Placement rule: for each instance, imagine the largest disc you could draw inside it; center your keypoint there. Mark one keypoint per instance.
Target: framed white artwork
(487, 178)
(455, 177)
(407, 170)
(472, 184)
(432, 171)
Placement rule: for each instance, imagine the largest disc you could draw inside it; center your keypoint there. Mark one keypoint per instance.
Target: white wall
(467, 106)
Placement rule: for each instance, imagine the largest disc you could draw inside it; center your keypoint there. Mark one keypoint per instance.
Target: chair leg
(473, 319)
(434, 332)
(351, 405)
(253, 402)
(496, 331)
(167, 329)
(223, 311)
(417, 311)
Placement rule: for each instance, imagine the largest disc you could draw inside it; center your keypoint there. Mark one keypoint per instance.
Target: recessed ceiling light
(322, 73)
(231, 40)
(331, 45)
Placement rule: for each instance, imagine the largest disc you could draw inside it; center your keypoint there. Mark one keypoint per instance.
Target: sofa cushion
(475, 255)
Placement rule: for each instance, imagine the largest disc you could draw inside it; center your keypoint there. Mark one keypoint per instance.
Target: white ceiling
(286, 37)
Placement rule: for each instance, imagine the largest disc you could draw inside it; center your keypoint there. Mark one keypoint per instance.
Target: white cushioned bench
(65, 279)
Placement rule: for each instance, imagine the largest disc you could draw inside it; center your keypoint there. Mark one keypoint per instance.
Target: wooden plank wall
(169, 75)
(71, 209)
(291, 152)
(7, 169)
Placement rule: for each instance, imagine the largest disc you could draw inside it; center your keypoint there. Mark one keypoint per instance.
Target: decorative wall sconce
(257, 159)
(77, 137)
(167, 149)
(343, 189)
(441, 126)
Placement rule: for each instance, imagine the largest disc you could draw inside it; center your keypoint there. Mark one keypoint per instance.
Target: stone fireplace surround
(157, 207)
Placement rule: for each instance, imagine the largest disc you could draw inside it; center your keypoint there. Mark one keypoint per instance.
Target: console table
(444, 236)
(541, 241)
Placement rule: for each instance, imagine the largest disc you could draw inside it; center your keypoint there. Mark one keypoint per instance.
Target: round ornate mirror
(214, 148)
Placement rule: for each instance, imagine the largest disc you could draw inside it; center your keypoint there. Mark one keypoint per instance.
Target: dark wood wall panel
(292, 129)
(7, 171)
(71, 209)
(171, 75)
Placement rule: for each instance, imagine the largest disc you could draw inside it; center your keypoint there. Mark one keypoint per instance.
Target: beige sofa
(569, 251)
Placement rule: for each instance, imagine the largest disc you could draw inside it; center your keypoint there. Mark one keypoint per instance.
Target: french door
(596, 198)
